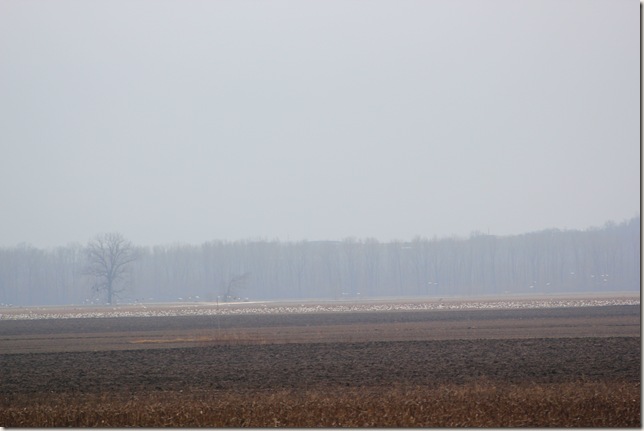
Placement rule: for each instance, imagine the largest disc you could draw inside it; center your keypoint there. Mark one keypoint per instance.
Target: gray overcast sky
(187, 121)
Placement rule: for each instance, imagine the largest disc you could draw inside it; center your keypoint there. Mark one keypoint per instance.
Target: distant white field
(303, 307)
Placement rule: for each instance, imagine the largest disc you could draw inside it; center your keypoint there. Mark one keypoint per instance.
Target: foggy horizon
(187, 122)
(314, 240)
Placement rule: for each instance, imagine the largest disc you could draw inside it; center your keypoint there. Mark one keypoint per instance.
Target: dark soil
(295, 366)
(263, 365)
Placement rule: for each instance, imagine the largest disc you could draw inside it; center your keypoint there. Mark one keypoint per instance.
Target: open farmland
(442, 365)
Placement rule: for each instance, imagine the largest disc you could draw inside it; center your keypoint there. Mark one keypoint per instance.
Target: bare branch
(108, 259)
(235, 283)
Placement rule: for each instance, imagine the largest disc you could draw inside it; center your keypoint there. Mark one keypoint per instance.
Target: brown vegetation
(480, 404)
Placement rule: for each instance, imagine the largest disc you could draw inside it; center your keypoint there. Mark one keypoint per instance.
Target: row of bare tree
(545, 262)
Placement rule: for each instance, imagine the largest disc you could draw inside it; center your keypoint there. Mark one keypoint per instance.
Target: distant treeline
(545, 262)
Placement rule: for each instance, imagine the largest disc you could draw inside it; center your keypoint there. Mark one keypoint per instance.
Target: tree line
(545, 262)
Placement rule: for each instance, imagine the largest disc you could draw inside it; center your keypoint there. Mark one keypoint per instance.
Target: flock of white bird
(209, 309)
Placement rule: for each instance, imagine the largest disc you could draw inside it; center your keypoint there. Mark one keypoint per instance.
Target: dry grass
(481, 404)
(228, 337)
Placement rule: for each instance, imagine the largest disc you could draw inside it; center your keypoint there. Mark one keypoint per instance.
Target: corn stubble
(479, 404)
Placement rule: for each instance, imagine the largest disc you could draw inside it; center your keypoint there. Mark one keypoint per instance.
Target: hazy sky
(187, 121)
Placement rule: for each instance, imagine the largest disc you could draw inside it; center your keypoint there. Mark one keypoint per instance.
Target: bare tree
(235, 283)
(108, 258)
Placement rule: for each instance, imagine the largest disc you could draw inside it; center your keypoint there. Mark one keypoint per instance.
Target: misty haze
(549, 262)
(356, 213)
(186, 122)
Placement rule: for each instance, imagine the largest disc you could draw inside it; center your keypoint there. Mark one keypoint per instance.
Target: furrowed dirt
(249, 355)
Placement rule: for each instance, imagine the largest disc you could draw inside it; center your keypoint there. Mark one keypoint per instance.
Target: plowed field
(252, 354)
